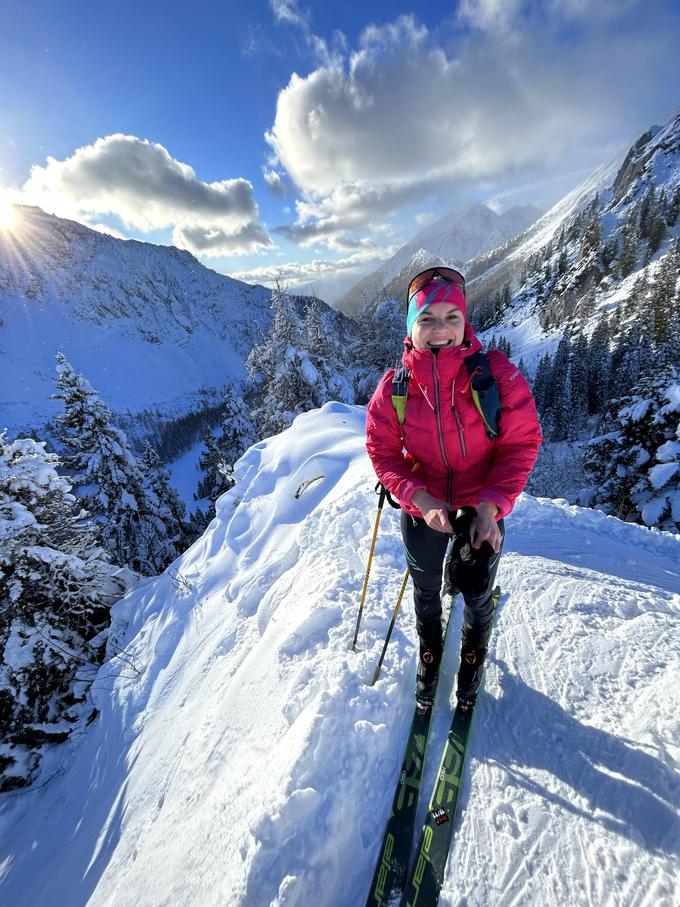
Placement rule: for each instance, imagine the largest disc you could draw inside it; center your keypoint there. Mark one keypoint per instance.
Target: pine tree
(542, 389)
(637, 465)
(629, 251)
(579, 372)
(599, 368)
(661, 298)
(590, 242)
(217, 461)
(170, 536)
(56, 589)
(281, 371)
(105, 473)
(647, 211)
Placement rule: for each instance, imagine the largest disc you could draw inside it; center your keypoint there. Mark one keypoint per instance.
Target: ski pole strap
(484, 392)
(384, 493)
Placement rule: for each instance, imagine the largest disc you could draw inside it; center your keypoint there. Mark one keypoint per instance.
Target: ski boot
(470, 676)
(430, 658)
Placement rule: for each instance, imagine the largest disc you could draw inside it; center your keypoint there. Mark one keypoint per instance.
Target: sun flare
(6, 214)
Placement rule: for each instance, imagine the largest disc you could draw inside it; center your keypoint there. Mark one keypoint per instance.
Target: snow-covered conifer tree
(637, 463)
(105, 473)
(217, 460)
(56, 589)
(170, 535)
(281, 371)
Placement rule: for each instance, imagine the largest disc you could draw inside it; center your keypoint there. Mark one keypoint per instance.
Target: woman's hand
(484, 527)
(435, 512)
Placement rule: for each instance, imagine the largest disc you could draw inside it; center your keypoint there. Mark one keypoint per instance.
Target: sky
(305, 141)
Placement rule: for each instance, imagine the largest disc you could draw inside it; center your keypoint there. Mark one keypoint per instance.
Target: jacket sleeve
(516, 447)
(383, 442)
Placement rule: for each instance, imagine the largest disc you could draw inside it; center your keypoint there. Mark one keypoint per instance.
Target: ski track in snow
(248, 763)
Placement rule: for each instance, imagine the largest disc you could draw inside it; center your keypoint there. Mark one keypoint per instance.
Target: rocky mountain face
(453, 240)
(151, 328)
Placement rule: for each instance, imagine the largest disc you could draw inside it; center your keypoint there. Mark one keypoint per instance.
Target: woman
(450, 474)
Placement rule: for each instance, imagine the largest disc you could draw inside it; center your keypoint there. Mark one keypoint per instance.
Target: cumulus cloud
(147, 189)
(406, 115)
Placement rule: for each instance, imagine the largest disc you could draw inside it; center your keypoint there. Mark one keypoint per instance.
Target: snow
(241, 758)
(661, 474)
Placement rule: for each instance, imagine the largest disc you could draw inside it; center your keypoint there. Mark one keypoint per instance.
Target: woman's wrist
(488, 507)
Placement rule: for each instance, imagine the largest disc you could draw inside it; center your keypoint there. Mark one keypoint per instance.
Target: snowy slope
(241, 759)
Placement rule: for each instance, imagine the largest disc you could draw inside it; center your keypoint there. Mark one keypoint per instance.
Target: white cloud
(423, 218)
(509, 17)
(403, 117)
(140, 183)
(275, 182)
(295, 273)
(109, 231)
(289, 11)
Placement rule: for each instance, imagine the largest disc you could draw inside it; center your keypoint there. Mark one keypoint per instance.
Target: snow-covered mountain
(240, 757)
(452, 240)
(150, 327)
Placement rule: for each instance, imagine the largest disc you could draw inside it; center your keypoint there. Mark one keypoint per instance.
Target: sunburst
(6, 214)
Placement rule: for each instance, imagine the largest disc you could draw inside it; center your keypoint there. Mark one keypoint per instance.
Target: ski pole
(381, 501)
(376, 673)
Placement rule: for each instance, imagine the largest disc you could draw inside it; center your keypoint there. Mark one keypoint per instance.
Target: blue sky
(315, 139)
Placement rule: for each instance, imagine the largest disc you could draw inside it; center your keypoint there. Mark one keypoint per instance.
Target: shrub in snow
(637, 465)
(56, 589)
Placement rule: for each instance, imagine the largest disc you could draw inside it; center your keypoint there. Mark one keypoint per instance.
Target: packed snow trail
(240, 757)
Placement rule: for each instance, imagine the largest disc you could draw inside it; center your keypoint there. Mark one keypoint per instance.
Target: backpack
(484, 392)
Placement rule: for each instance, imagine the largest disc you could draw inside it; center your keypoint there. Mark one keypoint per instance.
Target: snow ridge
(240, 758)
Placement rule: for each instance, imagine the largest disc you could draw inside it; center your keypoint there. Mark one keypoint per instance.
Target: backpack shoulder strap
(484, 392)
(400, 391)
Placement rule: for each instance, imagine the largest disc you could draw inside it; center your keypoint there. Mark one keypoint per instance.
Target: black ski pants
(425, 551)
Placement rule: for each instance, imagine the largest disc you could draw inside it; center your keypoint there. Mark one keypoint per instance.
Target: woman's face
(441, 325)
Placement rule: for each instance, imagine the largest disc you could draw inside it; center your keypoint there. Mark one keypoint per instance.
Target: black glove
(467, 568)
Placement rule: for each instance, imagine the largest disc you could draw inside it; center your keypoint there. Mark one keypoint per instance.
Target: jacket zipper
(440, 431)
(459, 424)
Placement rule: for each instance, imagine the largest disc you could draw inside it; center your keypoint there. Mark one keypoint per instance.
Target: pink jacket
(444, 434)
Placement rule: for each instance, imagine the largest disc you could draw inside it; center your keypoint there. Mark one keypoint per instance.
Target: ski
(392, 864)
(427, 874)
